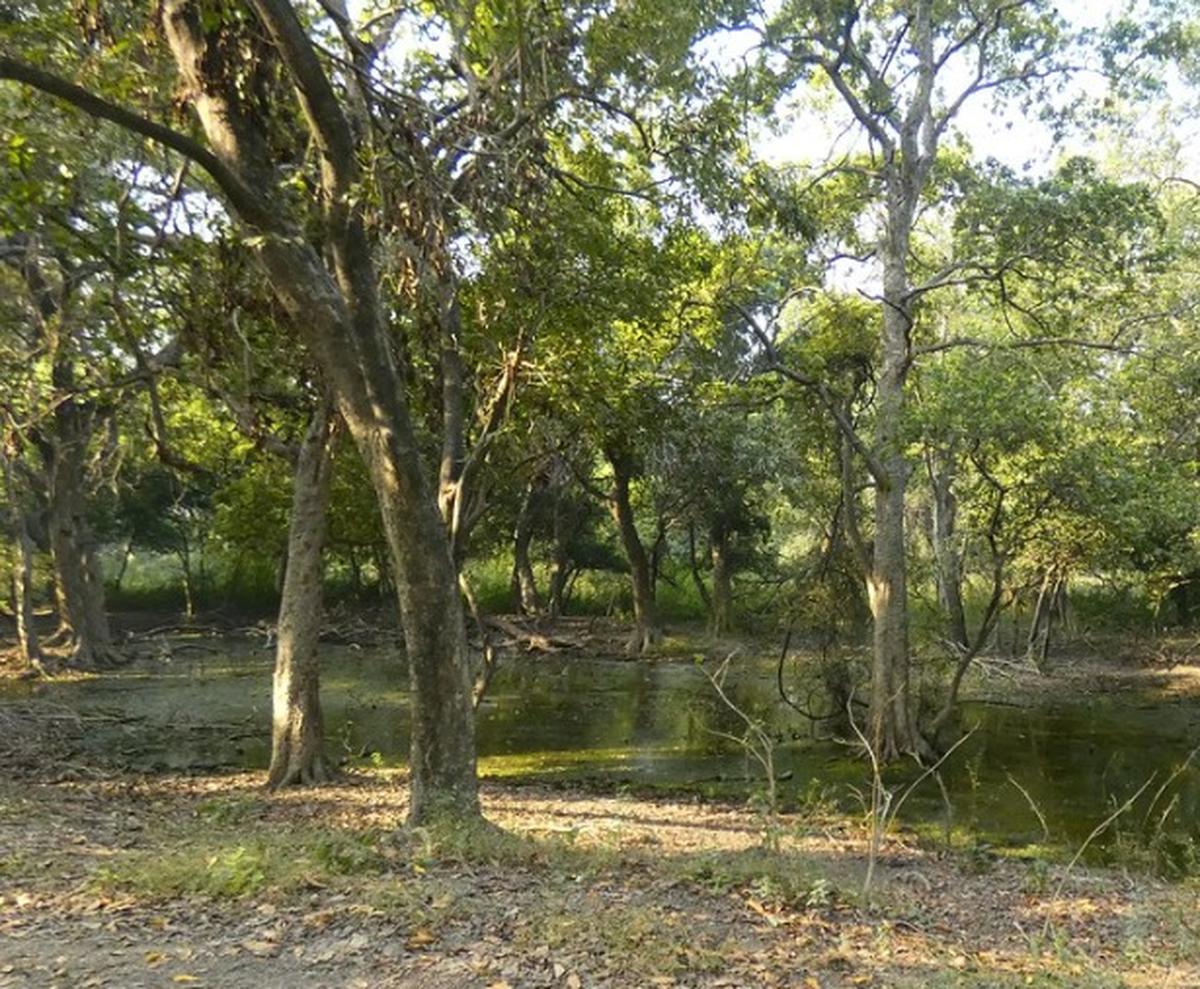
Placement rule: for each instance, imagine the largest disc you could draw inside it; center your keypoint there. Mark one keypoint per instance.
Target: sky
(1023, 143)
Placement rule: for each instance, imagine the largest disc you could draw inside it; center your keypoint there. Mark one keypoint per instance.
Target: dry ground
(210, 882)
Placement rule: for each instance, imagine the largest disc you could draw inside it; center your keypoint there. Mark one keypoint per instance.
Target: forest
(508, 493)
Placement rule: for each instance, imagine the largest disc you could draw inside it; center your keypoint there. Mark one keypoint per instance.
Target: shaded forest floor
(208, 881)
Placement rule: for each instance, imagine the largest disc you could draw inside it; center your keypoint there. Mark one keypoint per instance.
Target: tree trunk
(337, 312)
(948, 563)
(560, 569)
(892, 732)
(354, 354)
(27, 643)
(658, 552)
(189, 583)
(79, 586)
(560, 575)
(296, 734)
(647, 632)
(454, 413)
(697, 579)
(28, 650)
(722, 581)
(126, 556)
(524, 583)
(1037, 646)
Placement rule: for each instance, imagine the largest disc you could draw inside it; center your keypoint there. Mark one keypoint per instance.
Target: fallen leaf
(421, 937)
(263, 949)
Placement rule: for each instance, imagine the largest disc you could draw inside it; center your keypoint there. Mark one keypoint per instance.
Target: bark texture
(28, 649)
(524, 583)
(338, 313)
(647, 632)
(296, 727)
(892, 731)
(62, 439)
(78, 582)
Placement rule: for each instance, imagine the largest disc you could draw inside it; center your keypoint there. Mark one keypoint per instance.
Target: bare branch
(1080, 342)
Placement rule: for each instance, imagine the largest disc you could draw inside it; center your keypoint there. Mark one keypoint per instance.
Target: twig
(1098, 830)
(1032, 806)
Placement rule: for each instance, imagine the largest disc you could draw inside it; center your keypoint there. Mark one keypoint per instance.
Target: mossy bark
(296, 734)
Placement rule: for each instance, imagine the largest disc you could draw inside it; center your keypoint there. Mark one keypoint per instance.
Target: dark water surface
(653, 724)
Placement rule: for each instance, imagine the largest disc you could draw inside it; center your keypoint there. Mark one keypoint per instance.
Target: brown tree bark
(563, 526)
(28, 649)
(892, 731)
(78, 582)
(524, 583)
(296, 733)
(697, 579)
(63, 441)
(722, 580)
(337, 311)
(647, 632)
(1051, 603)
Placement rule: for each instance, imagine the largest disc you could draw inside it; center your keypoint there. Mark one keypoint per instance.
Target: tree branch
(250, 206)
(325, 117)
(821, 390)
(1080, 342)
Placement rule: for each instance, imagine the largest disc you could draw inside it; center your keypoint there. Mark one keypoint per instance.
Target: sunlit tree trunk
(1051, 602)
(337, 311)
(28, 649)
(892, 730)
(329, 291)
(296, 733)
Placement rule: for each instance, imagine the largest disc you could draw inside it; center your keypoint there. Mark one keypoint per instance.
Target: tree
(296, 736)
(336, 308)
(896, 69)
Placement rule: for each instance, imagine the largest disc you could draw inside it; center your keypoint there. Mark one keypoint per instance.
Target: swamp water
(655, 725)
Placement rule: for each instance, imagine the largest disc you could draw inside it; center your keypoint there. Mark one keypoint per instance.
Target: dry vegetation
(208, 881)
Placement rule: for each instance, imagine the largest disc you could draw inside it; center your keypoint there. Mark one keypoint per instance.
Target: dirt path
(208, 882)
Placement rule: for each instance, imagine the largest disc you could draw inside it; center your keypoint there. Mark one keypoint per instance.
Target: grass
(230, 851)
(258, 860)
(615, 892)
(643, 941)
(777, 879)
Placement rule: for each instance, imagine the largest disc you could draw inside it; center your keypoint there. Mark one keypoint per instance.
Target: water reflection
(657, 724)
